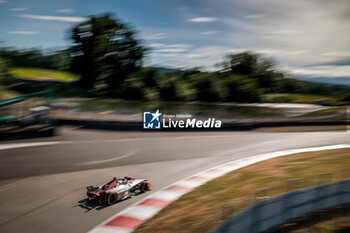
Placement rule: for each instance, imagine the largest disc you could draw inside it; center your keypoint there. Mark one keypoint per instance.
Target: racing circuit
(43, 181)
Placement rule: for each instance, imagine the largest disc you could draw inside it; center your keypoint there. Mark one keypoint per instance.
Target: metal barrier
(275, 211)
(48, 94)
(14, 109)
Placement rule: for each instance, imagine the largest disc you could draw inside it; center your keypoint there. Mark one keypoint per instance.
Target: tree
(104, 52)
(62, 60)
(243, 63)
(3, 69)
(27, 58)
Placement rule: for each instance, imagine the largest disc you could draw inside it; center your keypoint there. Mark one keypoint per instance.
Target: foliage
(35, 58)
(3, 69)
(242, 63)
(105, 52)
(108, 59)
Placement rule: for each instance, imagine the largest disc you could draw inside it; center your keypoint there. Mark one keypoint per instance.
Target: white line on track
(110, 160)
(28, 144)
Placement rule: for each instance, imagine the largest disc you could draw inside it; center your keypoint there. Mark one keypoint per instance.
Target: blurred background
(110, 61)
(75, 77)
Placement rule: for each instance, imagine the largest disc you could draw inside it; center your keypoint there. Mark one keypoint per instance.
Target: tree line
(108, 58)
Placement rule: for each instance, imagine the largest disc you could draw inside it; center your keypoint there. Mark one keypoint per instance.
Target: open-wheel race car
(117, 190)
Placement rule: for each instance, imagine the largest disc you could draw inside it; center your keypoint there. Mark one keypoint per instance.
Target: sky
(309, 38)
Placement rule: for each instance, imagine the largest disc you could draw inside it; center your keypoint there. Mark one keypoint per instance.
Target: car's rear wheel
(112, 199)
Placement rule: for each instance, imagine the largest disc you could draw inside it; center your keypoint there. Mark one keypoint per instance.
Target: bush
(242, 89)
(204, 87)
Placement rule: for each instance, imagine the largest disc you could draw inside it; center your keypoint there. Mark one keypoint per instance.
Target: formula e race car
(117, 190)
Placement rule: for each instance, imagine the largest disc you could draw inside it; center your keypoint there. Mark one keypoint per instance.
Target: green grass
(294, 98)
(43, 74)
(204, 207)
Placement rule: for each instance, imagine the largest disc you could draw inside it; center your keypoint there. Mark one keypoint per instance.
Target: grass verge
(203, 208)
(43, 74)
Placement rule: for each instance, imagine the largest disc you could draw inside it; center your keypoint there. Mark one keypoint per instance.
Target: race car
(117, 190)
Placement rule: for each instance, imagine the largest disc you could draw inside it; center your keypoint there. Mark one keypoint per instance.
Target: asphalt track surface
(42, 187)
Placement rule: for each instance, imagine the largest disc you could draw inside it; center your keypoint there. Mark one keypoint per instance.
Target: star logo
(156, 115)
(151, 120)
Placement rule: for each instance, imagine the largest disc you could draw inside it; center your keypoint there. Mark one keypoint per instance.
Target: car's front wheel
(145, 187)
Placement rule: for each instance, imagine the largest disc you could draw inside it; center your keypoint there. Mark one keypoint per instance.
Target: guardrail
(275, 211)
(47, 94)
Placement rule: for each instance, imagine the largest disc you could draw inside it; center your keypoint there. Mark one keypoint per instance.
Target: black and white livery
(117, 190)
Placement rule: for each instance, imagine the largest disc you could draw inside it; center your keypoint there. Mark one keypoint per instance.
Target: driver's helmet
(119, 182)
